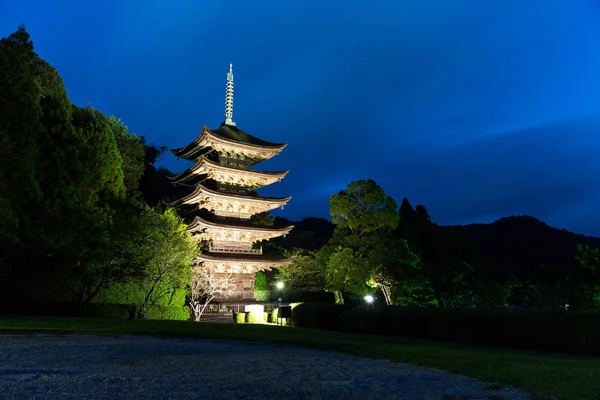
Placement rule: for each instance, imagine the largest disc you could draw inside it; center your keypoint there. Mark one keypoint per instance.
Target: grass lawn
(543, 374)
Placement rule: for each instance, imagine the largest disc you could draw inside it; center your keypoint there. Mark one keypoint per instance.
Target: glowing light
(279, 285)
(369, 298)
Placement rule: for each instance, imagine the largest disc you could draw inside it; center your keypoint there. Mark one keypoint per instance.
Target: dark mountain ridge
(524, 245)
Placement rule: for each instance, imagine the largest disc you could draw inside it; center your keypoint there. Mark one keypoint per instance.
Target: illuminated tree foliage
(363, 207)
(303, 273)
(363, 251)
(166, 250)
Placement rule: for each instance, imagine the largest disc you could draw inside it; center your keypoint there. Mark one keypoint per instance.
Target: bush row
(125, 311)
(99, 310)
(256, 318)
(536, 330)
(251, 317)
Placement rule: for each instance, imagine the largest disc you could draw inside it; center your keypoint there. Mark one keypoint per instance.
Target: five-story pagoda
(224, 198)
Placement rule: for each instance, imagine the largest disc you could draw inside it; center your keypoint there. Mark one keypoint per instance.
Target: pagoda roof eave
(199, 222)
(202, 189)
(245, 258)
(205, 161)
(203, 141)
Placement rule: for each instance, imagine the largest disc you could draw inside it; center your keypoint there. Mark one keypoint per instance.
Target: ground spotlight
(279, 285)
(369, 299)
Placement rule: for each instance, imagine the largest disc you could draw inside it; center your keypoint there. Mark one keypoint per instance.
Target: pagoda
(222, 199)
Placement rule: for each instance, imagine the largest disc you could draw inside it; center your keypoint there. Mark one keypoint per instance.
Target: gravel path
(44, 366)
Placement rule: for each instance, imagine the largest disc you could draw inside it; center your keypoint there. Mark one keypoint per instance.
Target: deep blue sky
(477, 109)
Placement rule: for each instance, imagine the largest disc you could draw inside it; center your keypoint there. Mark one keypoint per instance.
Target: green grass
(542, 374)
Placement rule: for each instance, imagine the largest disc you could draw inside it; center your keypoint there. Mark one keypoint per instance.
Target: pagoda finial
(229, 97)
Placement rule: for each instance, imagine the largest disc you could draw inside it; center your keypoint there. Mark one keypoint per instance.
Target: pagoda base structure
(241, 269)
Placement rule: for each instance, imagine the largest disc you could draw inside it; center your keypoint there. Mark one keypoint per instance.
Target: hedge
(317, 315)
(563, 331)
(128, 311)
(169, 312)
(239, 317)
(255, 317)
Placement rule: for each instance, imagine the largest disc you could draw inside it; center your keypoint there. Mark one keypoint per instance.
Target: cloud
(540, 171)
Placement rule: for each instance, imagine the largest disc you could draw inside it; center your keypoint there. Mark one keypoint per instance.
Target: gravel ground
(44, 366)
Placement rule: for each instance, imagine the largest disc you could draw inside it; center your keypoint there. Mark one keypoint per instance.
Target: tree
(20, 114)
(303, 273)
(391, 262)
(491, 286)
(261, 287)
(445, 265)
(133, 154)
(108, 256)
(205, 287)
(363, 207)
(444, 258)
(363, 251)
(166, 249)
(345, 272)
(587, 278)
(263, 219)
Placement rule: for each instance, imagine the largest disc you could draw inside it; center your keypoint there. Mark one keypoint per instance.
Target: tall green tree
(363, 207)
(363, 251)
(20, 113)
(133, 154)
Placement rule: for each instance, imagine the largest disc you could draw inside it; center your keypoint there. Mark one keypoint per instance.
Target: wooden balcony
(220, 248)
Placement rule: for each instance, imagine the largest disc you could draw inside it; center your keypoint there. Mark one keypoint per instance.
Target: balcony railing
(234, 249)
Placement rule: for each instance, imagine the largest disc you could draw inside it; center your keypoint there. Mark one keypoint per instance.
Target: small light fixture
(279, 285)
(369, 299)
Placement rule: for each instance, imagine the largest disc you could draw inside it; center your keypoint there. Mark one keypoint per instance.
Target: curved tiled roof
(203, 189)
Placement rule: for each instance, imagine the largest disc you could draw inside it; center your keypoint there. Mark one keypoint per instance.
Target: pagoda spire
(229, 98)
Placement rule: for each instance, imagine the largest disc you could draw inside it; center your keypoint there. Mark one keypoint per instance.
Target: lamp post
(279, 285)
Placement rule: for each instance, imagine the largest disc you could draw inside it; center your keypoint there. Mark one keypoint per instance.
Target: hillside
(520, 244)
(524, 244)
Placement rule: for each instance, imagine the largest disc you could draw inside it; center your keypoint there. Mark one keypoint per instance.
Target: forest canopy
(78, 199)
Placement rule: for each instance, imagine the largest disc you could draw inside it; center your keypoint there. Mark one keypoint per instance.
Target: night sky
(477, 109)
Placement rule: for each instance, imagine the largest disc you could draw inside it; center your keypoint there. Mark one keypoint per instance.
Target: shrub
(317, 315)
(169, 312)
(239, 317)
(254, 318)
